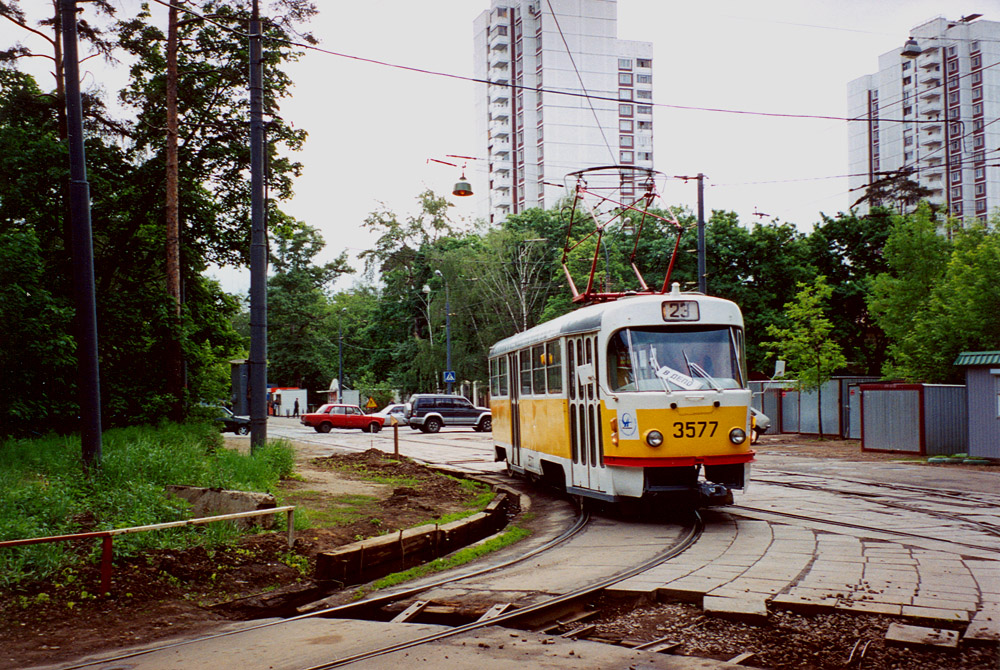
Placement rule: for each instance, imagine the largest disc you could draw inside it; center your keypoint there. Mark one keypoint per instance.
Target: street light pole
(340, 374)
(447, 326)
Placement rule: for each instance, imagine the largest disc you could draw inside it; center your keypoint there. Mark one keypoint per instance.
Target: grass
(44, 491)
(460, 557)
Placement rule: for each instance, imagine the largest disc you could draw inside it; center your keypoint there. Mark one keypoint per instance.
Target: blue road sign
(449, 377)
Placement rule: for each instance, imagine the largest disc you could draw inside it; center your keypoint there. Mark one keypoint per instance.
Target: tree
(301, 350)
(917, 259)
(848, 251)
(810, 354)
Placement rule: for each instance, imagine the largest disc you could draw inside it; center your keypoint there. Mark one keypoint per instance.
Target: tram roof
(591, 318)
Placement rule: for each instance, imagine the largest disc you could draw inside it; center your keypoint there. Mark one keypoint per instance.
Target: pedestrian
(277, 406)
(295, 410)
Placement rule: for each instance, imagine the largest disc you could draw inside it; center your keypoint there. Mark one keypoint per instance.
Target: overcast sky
(372, 128)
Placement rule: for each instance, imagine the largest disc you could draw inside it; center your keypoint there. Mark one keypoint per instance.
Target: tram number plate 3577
(695, 428)
(680, 310)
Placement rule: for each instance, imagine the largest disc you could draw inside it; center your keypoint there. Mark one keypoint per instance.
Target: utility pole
(702, 276)
(175, 353)
(89, 384)
(258, 244)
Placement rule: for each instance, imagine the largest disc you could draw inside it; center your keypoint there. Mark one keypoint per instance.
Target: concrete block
(213, 502)
(936, 613)
(985, 626)
(804, 604)
(870, 607)
(749, 608)
(917, 635)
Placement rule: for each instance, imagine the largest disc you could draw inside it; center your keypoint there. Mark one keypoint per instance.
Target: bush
(44, 491)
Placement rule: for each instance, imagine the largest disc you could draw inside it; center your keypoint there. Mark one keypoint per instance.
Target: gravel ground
(819, 642)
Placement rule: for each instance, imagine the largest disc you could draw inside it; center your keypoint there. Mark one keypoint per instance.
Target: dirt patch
(849, 450)
(818, 642)
(166, 593)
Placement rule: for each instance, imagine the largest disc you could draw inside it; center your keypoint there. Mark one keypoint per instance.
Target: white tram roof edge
(640, 310)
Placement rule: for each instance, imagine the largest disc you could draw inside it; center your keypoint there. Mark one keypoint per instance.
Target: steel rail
(677, 549)
(846, 524)
(582, 520)
(988, 528)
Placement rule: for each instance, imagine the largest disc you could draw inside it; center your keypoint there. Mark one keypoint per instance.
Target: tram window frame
(524, 358)
(538, 368)
(553, 356)
(502, 376)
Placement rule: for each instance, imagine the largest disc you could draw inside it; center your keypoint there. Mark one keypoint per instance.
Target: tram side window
(524, 357)
(498, 376)
(553, 357)
(538, 367)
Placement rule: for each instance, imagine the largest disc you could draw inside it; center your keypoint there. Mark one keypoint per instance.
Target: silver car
(394, 411)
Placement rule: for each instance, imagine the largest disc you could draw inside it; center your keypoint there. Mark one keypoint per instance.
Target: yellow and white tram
(642, 397)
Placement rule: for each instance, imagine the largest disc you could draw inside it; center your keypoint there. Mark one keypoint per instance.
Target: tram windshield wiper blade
(696, 369)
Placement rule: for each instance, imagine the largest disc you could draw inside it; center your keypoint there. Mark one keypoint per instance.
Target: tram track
(537, 609)
(878, 498)
(341, 611)
(862, 527)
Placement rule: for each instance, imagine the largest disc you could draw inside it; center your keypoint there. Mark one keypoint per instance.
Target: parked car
(760, 426)
(431, 411)
(341, 416)
(233, 423)
(396, 410)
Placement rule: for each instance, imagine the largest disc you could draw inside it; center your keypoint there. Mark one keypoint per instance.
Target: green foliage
(461, 557)
(44, 492)
(938, 298)
(810, 354)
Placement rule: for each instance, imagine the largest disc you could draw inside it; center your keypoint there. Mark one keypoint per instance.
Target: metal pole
(340, 374)
(258, 244)
(83, 249)
(447, 327)
(702, 278)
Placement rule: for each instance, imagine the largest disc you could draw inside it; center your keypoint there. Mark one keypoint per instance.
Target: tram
(638, 395)
(637, 398)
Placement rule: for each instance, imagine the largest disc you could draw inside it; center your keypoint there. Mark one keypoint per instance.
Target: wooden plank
(580, 631)
(410, 612)
(495, 611)
(741, 659)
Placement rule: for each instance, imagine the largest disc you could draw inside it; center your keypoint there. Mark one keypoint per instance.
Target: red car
(342, 416)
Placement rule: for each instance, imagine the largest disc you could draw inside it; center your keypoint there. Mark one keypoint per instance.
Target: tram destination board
(680, 310)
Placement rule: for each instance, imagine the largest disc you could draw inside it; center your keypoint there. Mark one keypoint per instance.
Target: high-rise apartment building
(532, 51)
(936, 113)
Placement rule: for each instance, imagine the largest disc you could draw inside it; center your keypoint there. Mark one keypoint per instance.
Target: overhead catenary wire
(540, 89)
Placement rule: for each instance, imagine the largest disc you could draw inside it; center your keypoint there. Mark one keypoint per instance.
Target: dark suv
(429, 412)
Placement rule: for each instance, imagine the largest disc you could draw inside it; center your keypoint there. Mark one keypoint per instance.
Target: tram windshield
(659, 358)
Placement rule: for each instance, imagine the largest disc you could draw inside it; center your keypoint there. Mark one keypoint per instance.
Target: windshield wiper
(696, 369)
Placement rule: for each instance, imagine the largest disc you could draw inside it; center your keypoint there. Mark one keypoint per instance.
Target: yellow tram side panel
(687, 431)
(544, 424)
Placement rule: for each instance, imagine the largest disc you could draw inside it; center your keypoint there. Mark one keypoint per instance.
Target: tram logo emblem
(627, 425)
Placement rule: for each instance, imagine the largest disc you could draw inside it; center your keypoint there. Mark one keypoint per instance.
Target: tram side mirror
(779, 369)
(585, 374)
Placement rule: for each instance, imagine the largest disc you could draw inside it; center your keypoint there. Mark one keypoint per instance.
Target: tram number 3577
(694, 428)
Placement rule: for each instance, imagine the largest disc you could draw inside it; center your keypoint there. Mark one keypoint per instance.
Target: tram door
(514, 382)
(584, 414)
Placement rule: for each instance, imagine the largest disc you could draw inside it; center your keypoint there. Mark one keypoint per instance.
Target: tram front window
(674, 359)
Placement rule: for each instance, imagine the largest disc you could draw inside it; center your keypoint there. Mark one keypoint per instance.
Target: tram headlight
(654, 438)
(737, 436)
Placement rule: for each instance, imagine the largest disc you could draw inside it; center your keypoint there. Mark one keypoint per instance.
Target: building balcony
(499, 113)
(500, 146)
(501, 181)
(499, 94)
(499, 42)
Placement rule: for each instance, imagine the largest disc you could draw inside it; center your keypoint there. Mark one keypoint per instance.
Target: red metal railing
(107, 535)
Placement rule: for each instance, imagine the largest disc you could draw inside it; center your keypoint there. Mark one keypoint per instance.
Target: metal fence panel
(946, 428)
(809, 410)
(984, 412)
(853, 412)
(789, 410)
(891, 419)
(849, 429)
